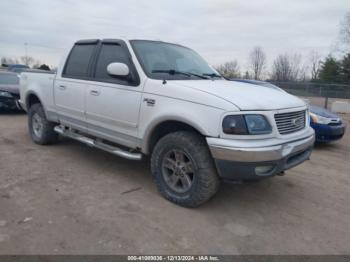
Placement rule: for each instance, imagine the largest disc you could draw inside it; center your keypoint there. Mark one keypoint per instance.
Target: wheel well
(165, 128)
(31, 100)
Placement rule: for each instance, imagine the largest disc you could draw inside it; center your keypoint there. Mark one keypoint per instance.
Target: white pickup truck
(141, 97)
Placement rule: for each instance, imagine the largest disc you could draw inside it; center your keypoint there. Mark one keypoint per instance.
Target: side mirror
(118, 69)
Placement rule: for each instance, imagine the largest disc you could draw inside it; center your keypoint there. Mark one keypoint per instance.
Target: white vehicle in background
(139, 97)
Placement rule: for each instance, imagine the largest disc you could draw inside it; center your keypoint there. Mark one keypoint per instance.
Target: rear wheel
(41, 130)
(183, 169)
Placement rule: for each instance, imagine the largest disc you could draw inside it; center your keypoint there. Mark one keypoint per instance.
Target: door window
(77, 65)
(113, 53)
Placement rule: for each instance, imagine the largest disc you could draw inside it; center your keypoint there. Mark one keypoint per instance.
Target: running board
(98, 144)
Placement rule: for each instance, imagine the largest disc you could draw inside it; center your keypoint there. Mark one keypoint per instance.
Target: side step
(98, 144)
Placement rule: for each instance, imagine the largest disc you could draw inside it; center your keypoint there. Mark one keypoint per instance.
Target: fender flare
(158, 121)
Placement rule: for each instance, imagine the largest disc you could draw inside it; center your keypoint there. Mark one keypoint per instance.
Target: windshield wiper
(176, 72)
(212, 75)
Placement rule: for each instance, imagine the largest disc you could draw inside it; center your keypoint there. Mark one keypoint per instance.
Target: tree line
(286, 67)
(26, 60)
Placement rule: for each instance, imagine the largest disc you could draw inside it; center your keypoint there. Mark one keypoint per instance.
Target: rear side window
(78, 61)
(110, 53)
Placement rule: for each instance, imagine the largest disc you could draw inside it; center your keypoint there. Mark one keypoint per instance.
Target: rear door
(70, 87)
(113, 103)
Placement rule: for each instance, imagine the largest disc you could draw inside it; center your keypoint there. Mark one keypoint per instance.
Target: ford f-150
(139, 97)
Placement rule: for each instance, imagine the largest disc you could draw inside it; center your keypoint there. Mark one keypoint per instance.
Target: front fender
(203, 118)
(156, 122)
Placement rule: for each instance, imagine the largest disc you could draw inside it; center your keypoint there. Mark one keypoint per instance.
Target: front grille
(290, 122)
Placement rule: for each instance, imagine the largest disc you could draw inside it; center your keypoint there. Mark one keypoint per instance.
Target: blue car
(328, 126)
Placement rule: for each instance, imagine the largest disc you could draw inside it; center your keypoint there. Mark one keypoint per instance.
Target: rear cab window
(79, 60)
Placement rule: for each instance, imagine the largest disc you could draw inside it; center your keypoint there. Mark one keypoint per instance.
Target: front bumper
(9, 103)
(244, 160)
(328, 133)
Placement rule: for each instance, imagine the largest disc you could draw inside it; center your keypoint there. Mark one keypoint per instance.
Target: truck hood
(246, 96)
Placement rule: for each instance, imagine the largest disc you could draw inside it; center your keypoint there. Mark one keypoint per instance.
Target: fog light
(262, 170)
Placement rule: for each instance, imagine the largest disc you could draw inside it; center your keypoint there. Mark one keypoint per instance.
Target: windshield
(9, 79)
(167, 61)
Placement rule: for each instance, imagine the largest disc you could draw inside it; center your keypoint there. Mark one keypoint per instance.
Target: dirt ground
(72, 199)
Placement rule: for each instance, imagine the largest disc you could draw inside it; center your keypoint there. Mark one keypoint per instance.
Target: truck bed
(40, 82)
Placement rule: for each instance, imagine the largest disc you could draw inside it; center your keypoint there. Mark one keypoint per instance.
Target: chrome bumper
(257, 159)
(226, 150)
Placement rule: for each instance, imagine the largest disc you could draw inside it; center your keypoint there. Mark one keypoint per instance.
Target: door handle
(62, 87)
(95, 92)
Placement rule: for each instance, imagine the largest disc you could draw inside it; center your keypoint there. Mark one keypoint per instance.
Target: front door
(113, 103)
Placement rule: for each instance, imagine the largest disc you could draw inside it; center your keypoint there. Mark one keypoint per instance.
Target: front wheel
(183, 169)
(41, 130)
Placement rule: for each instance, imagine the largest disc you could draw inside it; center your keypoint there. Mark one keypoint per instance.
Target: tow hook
(281, 173)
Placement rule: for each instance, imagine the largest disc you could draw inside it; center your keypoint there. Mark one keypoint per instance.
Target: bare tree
(247, 75)
(344, 32)
(304, 73)
(8, 60)
(27, 60)
(296, 67)
(36, 64)
(315, 64)
(257, 62)
(229, 69)
(287, 68)
(281, 68)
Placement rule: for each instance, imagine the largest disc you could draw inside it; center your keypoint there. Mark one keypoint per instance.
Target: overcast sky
(220, 30)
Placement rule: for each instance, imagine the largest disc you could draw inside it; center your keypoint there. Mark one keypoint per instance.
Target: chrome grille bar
(290, 122)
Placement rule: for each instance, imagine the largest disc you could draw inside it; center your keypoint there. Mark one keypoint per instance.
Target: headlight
(5, 94)
(257, 124)
(234, 125)
(319, 119)
(246, 125)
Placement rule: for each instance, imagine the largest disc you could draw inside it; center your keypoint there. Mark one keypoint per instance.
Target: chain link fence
(318, 94)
